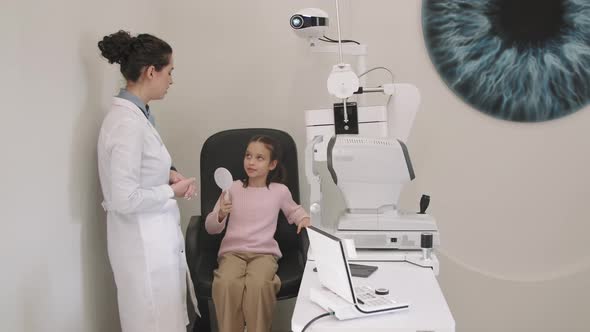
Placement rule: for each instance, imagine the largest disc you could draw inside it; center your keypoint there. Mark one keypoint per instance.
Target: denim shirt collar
(135, 99)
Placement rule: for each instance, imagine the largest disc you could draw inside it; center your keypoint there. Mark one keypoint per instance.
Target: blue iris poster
(517, 60)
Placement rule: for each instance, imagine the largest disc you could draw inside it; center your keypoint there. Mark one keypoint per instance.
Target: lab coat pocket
(159, 232)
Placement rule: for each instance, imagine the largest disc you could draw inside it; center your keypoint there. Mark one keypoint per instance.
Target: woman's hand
(175, 177)
(305, 222)
(181, 187)
(224, 206)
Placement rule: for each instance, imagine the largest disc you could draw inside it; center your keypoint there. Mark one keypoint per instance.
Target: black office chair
(226, 149)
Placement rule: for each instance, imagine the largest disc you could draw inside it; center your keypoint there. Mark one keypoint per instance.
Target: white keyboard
(343, 309)
(366, 296)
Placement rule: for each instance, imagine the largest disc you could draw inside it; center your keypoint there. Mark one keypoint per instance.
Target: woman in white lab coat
(145, 242)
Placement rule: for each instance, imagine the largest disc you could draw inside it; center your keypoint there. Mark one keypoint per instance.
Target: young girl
(245, 284)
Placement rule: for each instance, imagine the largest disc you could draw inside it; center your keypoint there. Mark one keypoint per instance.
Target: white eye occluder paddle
(224, 180)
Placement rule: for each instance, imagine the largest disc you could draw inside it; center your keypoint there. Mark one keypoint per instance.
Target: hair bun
(116, 47)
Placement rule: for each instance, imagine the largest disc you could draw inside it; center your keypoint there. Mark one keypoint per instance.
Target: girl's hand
(224, 207)
(305, 222)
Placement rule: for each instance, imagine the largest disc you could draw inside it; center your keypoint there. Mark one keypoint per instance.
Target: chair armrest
(191, 238)
(303, 244)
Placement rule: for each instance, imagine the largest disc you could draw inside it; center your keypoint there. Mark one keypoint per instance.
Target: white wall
(510, 198)
(55, 271)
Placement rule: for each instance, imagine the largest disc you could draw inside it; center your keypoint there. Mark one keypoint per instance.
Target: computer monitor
(331, 263)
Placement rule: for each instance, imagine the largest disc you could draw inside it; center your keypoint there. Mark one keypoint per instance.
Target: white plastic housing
(370, 172)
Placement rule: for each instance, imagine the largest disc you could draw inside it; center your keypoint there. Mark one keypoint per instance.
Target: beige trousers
(244, 291)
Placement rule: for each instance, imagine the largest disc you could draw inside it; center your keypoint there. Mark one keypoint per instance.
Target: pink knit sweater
(253, 218)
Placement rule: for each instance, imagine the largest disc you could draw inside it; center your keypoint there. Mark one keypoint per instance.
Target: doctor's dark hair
(279, 174)
(135, 53)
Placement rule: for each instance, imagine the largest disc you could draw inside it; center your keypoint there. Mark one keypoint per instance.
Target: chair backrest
(226, 149)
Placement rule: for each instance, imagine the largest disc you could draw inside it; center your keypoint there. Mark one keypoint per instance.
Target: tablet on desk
(358, 270)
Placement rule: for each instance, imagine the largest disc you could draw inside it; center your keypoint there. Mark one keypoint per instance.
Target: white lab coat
(145, 242)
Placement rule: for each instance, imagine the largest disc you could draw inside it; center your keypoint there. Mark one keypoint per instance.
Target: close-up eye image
(524, 61)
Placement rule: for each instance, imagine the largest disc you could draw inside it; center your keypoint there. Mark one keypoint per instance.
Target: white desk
(428, 311)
